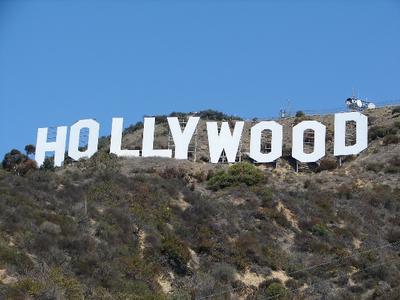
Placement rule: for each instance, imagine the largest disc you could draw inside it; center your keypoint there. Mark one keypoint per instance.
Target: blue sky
(61, 61)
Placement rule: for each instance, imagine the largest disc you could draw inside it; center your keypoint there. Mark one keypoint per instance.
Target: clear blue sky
(61, 61)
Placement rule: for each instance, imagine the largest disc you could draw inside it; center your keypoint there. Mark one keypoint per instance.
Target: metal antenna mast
(285, 111)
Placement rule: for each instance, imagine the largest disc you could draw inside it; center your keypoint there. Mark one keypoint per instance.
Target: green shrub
(223, 273)
(396, 110)
(276, 291)
(216, 115)
(220, 180)
(247, 251)
(30, 286)
(265, 194)
(374, 166)
(279, 217)
(177, 253)
(48, 164)
(73, 288)
(327, 164)
(380, 195)
(391, 139)
(138, 267)
(138, 290)
(275, 257)
(10, 255)
(393, 165)
(320, 230)
(393, 236)
(245, 173)
(204, 241)
(344, 191)
(134, 127)
(377, 132)
(180, 294)
(302, 117)
(381, 131)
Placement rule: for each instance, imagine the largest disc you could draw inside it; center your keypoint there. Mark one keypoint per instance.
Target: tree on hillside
(48, 164)
(17, 162)
(30, 149)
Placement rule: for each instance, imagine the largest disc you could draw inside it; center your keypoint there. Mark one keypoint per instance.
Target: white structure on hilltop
(356, 104)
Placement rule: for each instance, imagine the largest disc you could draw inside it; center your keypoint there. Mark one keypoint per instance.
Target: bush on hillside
(393, 236)
(265, 194)
(396, 110)
(215, 115)
(378, 196)
(276, 258)
(134, 127)
(10, 255)
(391, 139)
(374, 166)
(177, 253)
(300, 114)
(381, 131)
(48, 164)
(377, 132)
(345, 191)
(245, 173)
(223, 273)
(300, 117)
(179, 114)
(319, 229)
(327, 164)
(248, 251)
(393, 165)
(276, 291)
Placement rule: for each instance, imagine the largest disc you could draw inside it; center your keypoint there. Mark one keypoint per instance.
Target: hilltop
(154, 228)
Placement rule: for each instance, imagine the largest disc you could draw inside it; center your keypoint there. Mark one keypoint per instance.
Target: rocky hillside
(152, 228)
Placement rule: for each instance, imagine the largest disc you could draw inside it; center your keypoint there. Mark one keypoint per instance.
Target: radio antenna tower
(354, 93)
(285, 111)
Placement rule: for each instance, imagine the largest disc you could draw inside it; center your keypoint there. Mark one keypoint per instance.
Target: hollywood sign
(219, 140)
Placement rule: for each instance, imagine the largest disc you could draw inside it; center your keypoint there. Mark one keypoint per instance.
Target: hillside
(153, 228)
